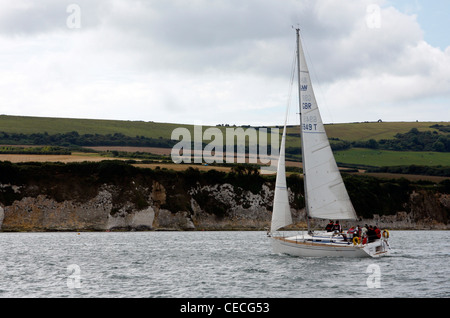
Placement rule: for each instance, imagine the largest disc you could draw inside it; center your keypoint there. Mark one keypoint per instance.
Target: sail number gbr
(306, 101)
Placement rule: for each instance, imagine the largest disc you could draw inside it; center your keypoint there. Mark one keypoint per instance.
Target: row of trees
(47, 150)
(86, 140)
(414, 169)
(413, 140)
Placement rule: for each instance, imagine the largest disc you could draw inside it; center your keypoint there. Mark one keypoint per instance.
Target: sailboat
(325, 194)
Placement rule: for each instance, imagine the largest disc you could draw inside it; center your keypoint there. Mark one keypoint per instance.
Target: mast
(301, 128)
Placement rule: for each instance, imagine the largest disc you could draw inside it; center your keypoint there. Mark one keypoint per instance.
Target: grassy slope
(28, 125)
(377, 131)
(349, 132)
(372, 130)
(379, 158)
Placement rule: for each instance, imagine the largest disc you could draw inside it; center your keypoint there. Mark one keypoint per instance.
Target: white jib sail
(281, 215)
(327, 195)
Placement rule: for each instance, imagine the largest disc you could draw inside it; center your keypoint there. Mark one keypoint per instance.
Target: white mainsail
(281, 215)
(326, 195)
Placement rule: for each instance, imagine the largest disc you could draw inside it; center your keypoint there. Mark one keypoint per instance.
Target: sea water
(213, 264)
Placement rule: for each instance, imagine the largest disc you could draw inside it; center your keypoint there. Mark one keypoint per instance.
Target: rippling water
(213, 264)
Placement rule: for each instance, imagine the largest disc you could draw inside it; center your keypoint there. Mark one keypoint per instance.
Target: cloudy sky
(223, 61)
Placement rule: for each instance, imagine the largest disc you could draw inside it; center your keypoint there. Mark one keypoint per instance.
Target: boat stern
(377, 249)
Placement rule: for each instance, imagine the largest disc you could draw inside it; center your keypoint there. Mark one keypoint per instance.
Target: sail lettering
(310, 119)
(306, 105)
(309, 127)
(304, 87)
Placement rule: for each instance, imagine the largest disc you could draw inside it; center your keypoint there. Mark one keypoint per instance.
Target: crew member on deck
(371, 234)
(377, 232)
(351, 233)
(329, 226)
(337, 228)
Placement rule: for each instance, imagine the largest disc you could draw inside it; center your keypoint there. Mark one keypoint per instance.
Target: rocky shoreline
(140, 200)
(41, 213)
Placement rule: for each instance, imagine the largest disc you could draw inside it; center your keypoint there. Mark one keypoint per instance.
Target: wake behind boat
(325, 194)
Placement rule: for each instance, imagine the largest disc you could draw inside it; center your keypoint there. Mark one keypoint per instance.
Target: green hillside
(349, 132)
(378, 158)
(374, 130)
(356, 138)
(30, 125)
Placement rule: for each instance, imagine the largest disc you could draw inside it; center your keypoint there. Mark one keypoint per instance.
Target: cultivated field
(80, 157)
(75, 157)
(381, 158)
(375, 130)
(347, 132)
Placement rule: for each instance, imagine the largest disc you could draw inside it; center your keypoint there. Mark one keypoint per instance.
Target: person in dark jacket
(337, 227)
(377, 232)
(371, 234)
(329, 226)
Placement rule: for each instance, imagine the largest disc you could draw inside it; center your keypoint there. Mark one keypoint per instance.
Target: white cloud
(213, 62)
(388, 72)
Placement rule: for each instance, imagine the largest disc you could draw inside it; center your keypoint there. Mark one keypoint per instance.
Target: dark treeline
(47, 150)
(413, 140)
(443, 128)
(86, 140)
(414, 169)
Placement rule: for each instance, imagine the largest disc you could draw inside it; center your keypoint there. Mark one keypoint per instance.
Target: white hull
(323, 246)
(324, 190)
